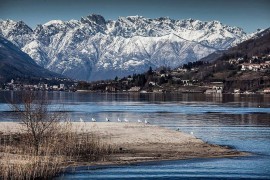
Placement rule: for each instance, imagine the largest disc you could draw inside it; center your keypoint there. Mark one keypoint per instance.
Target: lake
(239, 121)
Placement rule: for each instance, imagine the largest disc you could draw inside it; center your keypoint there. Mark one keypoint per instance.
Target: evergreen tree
(150, 71)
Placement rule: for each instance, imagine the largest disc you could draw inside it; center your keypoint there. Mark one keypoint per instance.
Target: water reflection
(148, 97)
(163, 109)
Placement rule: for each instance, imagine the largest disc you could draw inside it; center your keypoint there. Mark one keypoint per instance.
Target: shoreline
(104, 164)
(94, 166)
(149, 92)
(109, 163)
(141, 143)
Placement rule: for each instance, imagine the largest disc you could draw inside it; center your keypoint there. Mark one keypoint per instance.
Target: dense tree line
(193, 64)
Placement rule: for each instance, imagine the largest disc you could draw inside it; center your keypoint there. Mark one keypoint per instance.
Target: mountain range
(93, 48)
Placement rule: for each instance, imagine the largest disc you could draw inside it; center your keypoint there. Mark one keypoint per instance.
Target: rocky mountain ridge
(92, 48)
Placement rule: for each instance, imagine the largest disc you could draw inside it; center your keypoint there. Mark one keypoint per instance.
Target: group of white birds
(119, 120)
(125, 120)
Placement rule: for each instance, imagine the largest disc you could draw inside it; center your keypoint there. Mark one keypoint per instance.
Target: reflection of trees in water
(193, 108)
(245, 100)
(261, 119)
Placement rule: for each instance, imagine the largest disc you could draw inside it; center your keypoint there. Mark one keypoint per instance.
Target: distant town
(47, 84)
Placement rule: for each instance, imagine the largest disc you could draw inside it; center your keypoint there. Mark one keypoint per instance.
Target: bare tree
(33, 112)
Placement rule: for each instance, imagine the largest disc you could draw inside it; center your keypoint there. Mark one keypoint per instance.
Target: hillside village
(235, 75)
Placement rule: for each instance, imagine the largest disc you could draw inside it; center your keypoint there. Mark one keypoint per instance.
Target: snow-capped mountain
(92, 48)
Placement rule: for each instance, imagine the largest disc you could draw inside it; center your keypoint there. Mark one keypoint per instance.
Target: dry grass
(65, 147)
(30, 167)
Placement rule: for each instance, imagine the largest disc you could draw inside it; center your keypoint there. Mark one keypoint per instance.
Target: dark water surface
(240, 121)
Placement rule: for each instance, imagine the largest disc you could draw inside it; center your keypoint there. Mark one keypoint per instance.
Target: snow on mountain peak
(53, 22)
(92, 48)
(135, 17)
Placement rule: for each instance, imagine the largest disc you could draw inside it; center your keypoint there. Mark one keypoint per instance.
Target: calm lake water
(240, 121)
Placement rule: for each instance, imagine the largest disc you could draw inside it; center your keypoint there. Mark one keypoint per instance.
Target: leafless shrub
(33, 112)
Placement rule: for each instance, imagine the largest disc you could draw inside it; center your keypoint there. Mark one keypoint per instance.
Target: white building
(134, 89)
(62, 86)
(250, 67)
(266, 91)
(55, 87)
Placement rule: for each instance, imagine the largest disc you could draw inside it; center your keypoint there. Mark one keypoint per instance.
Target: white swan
(146, 122)
(81, 120)
(93, 119)
(119, 120)
(125, 120)
(139, 121)
(107, 119)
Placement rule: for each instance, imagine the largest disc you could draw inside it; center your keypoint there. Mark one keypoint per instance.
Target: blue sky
(247, 14)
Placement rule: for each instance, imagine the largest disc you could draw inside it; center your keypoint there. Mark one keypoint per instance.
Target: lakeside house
(217, 88)
(186, 82)
(236, 91)
(266, 91)
(134, 89)
(110, 89)
(55, 87)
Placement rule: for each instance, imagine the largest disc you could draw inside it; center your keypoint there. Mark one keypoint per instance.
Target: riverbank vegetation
(18, 158)
(46, 143)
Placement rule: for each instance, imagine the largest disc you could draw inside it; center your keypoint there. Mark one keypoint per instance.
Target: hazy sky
(247, 14)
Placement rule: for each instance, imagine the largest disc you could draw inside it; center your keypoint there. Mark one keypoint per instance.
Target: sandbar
(139, 142)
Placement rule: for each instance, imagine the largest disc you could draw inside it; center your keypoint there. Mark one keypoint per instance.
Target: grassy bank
(66, 147)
